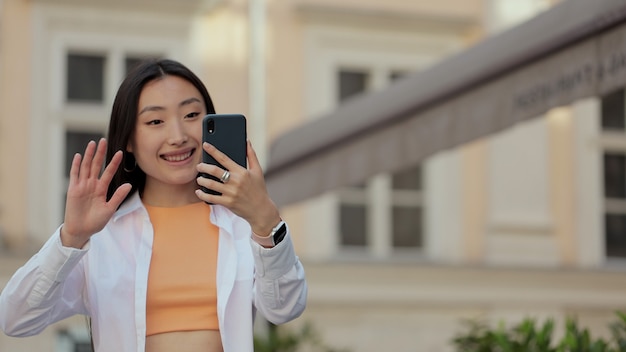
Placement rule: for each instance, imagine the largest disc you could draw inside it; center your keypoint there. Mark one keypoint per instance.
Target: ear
(129, 147)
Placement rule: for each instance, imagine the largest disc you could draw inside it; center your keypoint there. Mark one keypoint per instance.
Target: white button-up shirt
(107, 280)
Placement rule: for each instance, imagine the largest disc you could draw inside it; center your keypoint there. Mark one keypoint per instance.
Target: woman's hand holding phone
(87, 210)
(245, 193)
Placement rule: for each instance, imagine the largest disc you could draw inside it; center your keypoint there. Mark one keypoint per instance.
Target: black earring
(129, 157)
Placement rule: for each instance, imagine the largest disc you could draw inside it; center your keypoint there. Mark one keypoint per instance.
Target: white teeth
(179, 157)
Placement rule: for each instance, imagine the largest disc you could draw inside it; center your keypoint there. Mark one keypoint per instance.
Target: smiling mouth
(178, 157)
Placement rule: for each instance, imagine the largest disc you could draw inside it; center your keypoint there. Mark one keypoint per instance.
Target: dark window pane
(613, 111)
(352, 219)
(407, 227)
(615, 230)
(410, 179)
(82, 347)
(132, 61)
(351, 83)
(614, 175)
(75, 142)
(85, 78)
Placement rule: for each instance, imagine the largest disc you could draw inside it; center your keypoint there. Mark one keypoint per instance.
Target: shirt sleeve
(280, 284)
(48, 288)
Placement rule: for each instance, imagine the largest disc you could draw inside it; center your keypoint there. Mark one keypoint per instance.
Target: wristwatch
(276, 235)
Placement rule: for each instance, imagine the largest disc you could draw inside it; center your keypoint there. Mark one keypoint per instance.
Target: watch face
(280, 234)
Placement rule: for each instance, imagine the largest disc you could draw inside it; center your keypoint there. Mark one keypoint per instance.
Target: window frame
(377, 195)
(611, 141)
(62, 30)
(333, 46)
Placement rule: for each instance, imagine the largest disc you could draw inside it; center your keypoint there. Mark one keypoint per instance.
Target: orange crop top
(182, 292)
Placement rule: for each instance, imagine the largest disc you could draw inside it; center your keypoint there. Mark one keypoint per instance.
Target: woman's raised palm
(87, 210)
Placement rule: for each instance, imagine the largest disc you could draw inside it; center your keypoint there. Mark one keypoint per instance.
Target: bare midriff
(185, 341)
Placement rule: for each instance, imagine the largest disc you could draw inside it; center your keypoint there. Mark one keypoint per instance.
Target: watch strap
(276, 235)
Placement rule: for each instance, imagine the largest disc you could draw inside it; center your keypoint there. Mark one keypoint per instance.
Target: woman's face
(167, 142)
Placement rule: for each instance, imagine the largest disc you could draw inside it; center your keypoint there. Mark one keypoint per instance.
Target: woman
(142, 253)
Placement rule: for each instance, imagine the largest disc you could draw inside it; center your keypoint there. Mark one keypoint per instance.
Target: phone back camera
(210, 126)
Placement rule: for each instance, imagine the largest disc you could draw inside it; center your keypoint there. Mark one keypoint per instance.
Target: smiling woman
(167, 140)
(166, 270)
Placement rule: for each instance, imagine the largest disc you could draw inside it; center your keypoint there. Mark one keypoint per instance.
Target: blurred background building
(528, 220)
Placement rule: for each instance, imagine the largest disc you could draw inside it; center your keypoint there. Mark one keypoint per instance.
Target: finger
(210, 184)
(210, 169)
(109, 170)
(120, 194)
(209, 198)
(74, 168)
(98, 160)
(253, 160)
(220, 157)
(86, 164)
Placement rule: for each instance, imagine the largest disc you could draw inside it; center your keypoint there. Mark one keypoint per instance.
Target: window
(353, 224)
(407, 217)
(407, 200)
(372, 220)
(409, 179)
(613, 111)
(615, 204)
(86, 81)
(84, 61)
(352, 83)
(615, 230)
(614, 176)
(398, 196)
(76, 142)
(407, 226)
(85, 78)
(353, 207)
(132, 61)
(407, 208)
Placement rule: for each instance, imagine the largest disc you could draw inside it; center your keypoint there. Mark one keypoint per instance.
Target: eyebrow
(160, 108)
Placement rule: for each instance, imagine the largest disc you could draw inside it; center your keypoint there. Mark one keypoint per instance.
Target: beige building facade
(521, 223)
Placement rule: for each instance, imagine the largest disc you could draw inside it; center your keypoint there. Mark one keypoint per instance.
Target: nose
(176, 133)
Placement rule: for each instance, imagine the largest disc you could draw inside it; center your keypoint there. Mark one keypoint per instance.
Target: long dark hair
(124, 116)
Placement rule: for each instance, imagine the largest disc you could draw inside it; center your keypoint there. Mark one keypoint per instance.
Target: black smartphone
(227, 132)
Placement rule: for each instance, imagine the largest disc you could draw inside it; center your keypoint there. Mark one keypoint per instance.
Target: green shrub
(527, 336)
